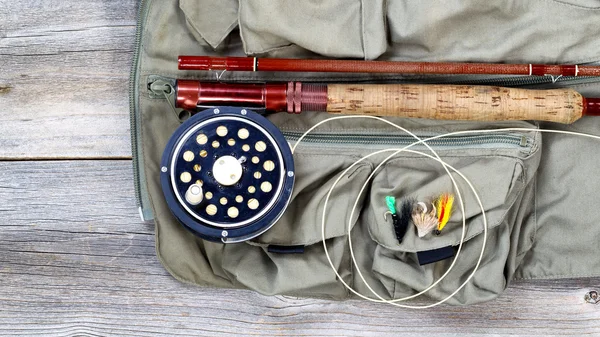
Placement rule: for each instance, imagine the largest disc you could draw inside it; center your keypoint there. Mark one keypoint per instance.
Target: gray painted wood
(76, 260)
(64, 70)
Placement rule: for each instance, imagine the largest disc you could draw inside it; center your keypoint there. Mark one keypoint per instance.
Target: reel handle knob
(194, 194)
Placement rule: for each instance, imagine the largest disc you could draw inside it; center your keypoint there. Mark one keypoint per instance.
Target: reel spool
(227, 174)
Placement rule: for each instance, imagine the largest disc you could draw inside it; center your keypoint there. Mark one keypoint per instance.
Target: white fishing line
(460, 198)
(405, 149)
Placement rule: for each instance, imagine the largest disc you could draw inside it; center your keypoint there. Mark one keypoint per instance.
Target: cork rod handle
(455, 102)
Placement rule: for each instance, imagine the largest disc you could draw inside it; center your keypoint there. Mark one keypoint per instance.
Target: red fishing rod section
(447, 102)
(396, 67)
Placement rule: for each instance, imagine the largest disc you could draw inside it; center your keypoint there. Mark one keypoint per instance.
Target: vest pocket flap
(315, 174)
(336, 28)
(210, 21)
(497, 176)
(469, 30)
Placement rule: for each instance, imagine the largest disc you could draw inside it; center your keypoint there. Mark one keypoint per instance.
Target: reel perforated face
(227, 174)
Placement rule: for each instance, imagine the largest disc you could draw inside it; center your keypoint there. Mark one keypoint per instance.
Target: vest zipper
(141, 193)
(509, 140)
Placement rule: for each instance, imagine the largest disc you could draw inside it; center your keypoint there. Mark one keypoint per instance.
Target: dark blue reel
(227, 174)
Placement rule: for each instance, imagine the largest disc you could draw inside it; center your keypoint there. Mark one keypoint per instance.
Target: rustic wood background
(76, 260)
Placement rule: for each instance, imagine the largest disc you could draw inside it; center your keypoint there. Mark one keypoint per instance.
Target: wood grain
(75, 259)
(455, 102)
(64, 69)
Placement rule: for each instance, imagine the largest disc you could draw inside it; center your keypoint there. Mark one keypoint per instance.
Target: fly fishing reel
(227, 174)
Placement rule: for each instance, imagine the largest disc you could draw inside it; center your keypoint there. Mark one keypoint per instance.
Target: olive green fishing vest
(539, 191)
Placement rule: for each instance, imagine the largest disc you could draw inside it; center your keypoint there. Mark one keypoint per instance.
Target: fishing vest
(537, 189)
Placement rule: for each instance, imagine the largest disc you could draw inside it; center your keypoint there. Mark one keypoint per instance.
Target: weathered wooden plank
(64, 70)
(75, 259)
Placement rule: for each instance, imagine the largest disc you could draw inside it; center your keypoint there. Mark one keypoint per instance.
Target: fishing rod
(398, 67)
(227, 173)
(432, 101)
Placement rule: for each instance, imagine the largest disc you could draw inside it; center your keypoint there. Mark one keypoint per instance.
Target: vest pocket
(504, 180)
(304, 270)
